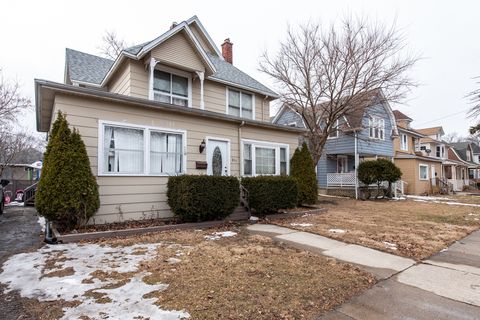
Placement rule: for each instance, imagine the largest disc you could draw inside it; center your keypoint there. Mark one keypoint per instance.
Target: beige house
(165, 107)
(421, 172)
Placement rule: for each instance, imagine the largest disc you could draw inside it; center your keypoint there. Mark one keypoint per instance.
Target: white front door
(434, 177)
(218, 157)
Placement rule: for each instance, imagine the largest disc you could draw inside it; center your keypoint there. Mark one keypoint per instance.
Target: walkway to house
(446, 286)
(19, 232)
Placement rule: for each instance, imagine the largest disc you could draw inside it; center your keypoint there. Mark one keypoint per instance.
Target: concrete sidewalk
(447, 286)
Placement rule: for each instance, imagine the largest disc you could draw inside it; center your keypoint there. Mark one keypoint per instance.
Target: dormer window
(376, 128)
(171, 88)
(240, 104)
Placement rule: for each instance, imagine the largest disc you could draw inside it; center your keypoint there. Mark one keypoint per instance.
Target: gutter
(145, 103)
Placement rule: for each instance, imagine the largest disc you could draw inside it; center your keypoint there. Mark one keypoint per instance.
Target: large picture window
(263, 158)
(130, 150)
(240, 104)
(170, 88)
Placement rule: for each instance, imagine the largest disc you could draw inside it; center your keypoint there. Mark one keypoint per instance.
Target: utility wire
(444, 117)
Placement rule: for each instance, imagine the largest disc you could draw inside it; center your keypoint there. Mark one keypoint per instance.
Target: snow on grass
(219, 235)
(390, 245)
(24, 272)
(336, 230)
(451, 203)
(304, 225)
(14, 204)
(428, 198)
(254, 218)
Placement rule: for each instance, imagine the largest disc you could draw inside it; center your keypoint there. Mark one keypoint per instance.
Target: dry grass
(419, 229)
(245, 277)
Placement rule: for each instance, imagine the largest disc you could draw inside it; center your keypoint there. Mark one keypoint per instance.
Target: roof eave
(69, 89)
(272, 95)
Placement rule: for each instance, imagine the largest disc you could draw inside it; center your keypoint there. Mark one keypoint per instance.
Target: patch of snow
(173, 260)
(443, 250)
(23, 272)
(461, 204)
(41, 222)
(219, 235)
(428, 198)
(390, 245)
(304, 225)
(398, 198)
(14, 204)
(253, 218)
(336, 231)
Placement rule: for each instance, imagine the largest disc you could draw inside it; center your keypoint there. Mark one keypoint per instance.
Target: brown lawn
(416, 229)
(247, 277)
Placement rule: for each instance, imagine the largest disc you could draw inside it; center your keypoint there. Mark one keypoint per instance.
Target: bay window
(240, 104)
(138, 150)
(171, 88)
(264, 158)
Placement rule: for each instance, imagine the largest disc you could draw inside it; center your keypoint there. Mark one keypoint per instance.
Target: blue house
(366, 133)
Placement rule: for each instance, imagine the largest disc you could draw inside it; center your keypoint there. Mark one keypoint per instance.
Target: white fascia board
(205, 33)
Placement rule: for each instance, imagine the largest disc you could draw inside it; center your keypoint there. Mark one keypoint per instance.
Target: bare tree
(112, 46)
(13, 145)
(11, 100)
(326, 74)
(474, 112)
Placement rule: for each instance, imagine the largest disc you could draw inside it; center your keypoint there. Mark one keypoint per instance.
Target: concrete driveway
(446, 286)
(19, 232)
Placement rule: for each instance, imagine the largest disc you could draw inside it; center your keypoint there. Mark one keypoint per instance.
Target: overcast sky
(34, 35)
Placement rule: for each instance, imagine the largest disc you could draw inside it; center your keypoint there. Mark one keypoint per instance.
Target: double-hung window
(404, 142)
(135, 150)
(334, 131)
(171, 88)
(263, 158)
(376, 128)
(240, 103)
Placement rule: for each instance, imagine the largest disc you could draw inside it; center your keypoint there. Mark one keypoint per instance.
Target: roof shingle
(86, 67)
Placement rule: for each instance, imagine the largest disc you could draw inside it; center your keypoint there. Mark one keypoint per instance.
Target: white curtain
(158, 147)
(108, 158)
(129, 150)
(165, 153)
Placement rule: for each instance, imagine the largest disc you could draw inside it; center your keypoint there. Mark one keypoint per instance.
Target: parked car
(3, 184)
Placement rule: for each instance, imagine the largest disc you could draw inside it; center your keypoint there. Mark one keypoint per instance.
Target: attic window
(171, 88)
(376, 127)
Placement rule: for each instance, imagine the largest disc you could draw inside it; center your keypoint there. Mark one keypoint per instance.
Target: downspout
(356, 165)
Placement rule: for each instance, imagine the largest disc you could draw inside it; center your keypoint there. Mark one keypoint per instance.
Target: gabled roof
(400, 115)
(431, 131)
(94, 70)
(461, 148)
(475, 148)
(411, 131)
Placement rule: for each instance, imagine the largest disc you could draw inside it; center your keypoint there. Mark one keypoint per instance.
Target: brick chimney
(227, 50)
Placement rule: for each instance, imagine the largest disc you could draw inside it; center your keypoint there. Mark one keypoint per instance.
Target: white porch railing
(341, 180)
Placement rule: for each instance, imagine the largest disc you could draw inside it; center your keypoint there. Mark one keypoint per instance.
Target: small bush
(202, 198)
(377, 171)
(268, 194)
(302, 169)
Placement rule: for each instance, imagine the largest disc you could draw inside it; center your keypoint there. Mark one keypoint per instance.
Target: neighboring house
(165, 107)
(366, 133)
(476, 159)
(464, 150)
(421, 173)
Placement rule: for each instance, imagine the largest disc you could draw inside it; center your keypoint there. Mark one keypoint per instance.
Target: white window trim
(403, 146)
(177, 73)
(381, 127)
(207, 138)
(420, 171)
(241, 91)
(336, 131)
(264, 144)
(146, 141)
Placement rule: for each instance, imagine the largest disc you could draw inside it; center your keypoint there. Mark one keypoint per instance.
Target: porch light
(201, 147)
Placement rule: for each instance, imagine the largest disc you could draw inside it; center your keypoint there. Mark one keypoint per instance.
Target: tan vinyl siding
(178, 52)
(120, 82)
(137, 197)
(201, 39)
(411, 174)
(138, 79)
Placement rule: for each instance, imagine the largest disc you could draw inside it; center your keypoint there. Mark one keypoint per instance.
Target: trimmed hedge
(302, 169)
(270, 193)
(202, 198)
